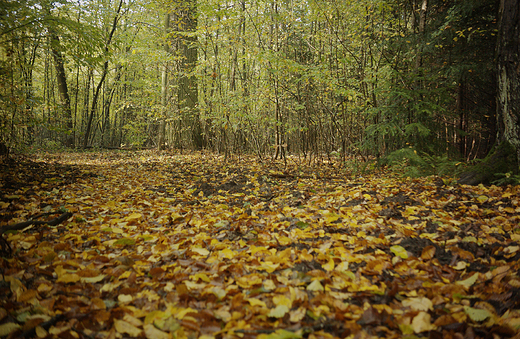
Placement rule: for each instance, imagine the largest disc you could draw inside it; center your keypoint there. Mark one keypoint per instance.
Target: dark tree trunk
(508, 60)
(504, 157)
(62, 87)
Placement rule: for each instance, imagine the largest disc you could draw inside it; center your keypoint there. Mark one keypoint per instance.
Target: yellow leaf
(93, 280)
(69, 278)
(460, 265)
(399, 251)
(201, 251)
(279, 312)
(329, 266)
(122, 326)
(125, 298)
(151, 332)
(226, 253)
(201, 276)
(282, 300)
(183, 312)
(482, 199)
(8, 328)
(132, 320)
(194, 286)
(422, 323)
(151, 317)
(297, 315)
(315, 286)
(134, 216)
(268, 266)
(256, 302)
(418, 304)
(40, 332)
(281, 334)
(268, 285)
(219, 292)
(249, 280)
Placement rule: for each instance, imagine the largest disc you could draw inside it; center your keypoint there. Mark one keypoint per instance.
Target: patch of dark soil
(353, 202)
(416, 246)
(236, 185)
(353, 267)
(477, 267)
(299, 246)
(476, 250)
(307, 266)
(391, 212)
(431, 227)
(336, 230)
(399, 200)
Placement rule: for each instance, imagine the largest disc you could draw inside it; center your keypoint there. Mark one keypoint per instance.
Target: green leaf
(399, 251)
(477, 314)
(469, 281)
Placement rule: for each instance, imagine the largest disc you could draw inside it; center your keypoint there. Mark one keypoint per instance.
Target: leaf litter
(193, 246)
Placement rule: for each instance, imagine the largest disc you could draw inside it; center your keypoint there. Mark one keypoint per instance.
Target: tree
(505, 156)
(164, 89)
(508, 65)
(61, 78)
(103, 74)
(184, 24)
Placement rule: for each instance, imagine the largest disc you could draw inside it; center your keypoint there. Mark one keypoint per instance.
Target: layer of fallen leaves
(194, 246)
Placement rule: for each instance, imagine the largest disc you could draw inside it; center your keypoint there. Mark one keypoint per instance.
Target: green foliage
(415, 164)
(315, 76)
(506, 179)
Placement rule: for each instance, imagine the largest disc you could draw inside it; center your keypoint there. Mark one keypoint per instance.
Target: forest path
(186, 246)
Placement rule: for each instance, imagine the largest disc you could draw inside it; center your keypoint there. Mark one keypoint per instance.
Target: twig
(25, 224)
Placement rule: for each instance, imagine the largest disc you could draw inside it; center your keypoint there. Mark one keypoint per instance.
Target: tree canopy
(375, 79)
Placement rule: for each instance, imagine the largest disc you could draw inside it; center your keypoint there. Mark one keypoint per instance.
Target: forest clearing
(163, 245)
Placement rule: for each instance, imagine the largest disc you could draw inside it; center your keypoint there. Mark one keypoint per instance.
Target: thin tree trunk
(164, 89)
(61, 78)
(103, 76)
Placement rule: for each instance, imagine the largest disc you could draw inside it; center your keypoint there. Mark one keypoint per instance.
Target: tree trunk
(504, 157)
(164, 89)
(62, 86)
(508, 59)
(187, 95)
(103, 76)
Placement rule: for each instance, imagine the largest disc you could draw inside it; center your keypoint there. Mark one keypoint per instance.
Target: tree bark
(164, 89)
(61, 78)
(508, 62)
(103, 76)
(187, 95)
(504, 157)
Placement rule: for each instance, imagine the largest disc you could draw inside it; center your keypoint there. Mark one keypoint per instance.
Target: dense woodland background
(335, 78)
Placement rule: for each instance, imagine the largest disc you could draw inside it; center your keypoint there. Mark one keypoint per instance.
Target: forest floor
(193, 246)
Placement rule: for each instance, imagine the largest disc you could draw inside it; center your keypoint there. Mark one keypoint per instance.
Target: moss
(502, 159)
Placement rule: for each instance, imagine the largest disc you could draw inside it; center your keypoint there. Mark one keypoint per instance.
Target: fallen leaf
(124, 327)
(422, 323)
(278, 312)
